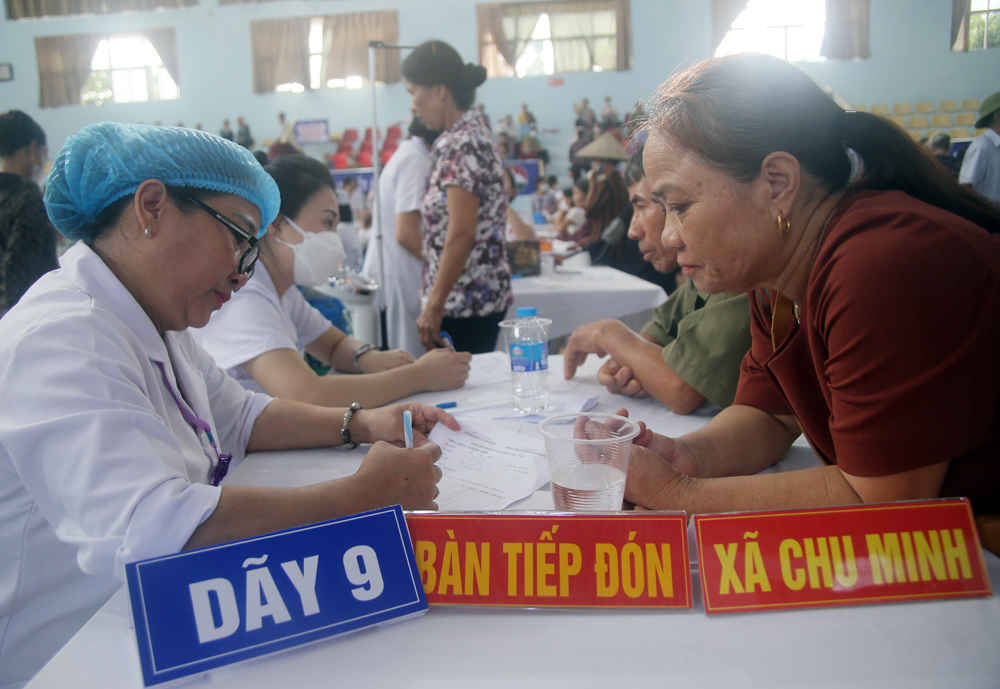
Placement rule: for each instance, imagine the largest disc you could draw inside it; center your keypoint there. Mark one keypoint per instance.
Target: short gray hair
(941, 140)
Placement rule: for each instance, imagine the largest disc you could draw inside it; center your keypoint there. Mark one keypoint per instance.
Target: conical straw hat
(604, 147)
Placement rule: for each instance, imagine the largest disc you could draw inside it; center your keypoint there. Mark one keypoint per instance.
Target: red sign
(556, 81)
(631, 560)
(840, 556)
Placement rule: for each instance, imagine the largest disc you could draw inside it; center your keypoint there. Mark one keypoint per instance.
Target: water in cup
(588, 488)
(588, 457)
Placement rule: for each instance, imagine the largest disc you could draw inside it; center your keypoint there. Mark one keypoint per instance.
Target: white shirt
(981, 166)
(256, 321)
(97, 465)
(402, 185)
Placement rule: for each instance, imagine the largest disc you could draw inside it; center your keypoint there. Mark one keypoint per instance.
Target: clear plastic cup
(588, 456)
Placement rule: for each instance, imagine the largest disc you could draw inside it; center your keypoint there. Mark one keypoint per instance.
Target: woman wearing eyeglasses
(115, 427)
(262, 335)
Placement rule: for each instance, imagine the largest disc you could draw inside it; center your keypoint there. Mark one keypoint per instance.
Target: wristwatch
(358, 353)
(346, 434)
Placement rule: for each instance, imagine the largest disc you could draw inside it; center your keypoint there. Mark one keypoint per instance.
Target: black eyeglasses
(249, 257)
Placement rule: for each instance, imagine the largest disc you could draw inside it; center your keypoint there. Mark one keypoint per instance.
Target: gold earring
(784, 224)
(148, 231)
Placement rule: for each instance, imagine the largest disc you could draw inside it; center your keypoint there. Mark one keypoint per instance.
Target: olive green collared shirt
(704, 338)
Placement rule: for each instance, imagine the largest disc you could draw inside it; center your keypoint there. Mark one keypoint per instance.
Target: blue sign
(526, 174)
(205, 608)
(312, 132)
(364, 175)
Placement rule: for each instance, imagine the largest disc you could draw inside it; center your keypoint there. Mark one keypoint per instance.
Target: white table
(907, 645)
(590, 294)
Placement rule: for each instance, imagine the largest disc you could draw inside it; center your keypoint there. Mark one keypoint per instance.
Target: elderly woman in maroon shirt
(874, 282)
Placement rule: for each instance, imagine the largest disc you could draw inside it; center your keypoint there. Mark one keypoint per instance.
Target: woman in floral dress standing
(466, 281)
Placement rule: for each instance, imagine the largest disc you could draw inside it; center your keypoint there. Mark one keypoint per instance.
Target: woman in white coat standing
(115, 427)
(401, 187)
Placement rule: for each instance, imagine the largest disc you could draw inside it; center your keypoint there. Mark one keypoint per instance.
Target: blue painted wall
(909, 43)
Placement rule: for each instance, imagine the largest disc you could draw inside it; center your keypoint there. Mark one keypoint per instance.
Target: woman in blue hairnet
(115, 428)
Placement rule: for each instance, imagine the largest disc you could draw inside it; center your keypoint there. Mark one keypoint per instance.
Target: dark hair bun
(474, 75)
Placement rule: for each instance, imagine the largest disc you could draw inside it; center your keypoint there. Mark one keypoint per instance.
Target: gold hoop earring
(148, 231)
(784, 224)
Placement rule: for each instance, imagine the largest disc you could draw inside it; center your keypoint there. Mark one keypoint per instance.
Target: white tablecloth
(906, 645)
(593, 293)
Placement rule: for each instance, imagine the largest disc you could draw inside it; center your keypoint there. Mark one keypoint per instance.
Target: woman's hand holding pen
(443, 369)
(386, 423)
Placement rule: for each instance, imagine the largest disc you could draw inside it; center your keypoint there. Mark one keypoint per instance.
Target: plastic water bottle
(529, 362)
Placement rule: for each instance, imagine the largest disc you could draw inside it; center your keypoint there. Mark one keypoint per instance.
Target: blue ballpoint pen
(447, 338)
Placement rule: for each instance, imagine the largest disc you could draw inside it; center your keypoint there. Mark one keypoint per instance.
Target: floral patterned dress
(466, 156)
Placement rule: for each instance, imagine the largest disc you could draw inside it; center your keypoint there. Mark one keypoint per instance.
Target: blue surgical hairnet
(106, 161)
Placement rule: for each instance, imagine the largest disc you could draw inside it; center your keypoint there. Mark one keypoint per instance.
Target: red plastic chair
(345, 146)
(340, 160)
(365, 159)
(391, 145)
(350, 135)
(365, 147)
(393, 133)
(386, 154)
(368, 134)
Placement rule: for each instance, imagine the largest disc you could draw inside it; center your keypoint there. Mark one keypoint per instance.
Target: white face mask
(317, 256)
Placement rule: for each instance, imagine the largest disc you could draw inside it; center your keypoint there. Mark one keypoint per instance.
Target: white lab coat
(258, 321)
(402, 186)
(97, 465)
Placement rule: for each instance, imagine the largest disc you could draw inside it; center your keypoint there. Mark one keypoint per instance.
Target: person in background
(981, 165)
(607, 197)
(352, 195)
(227, 132)
(940, 147)
(691, 351)
(569, 225)
(609, 115)
(261, 335)
(27, 238)
(505, 146)
(115, 427)
(505, 125)
(544, 201)
(349, 233)
(526, 121)
(518, 227)
(466, 275)
(402, 185)
(585, 114)
(579, 166)
(243, 136)
(849, 239)
(486, 118)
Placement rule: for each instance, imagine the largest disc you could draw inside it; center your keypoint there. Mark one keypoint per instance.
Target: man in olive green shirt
(691, 351)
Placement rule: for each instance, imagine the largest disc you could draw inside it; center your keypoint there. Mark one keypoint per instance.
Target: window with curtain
(129, 68)
(535, 39)
(982, 29)
(91, 69)
(34, 9)
(323, 52)
(788, 29)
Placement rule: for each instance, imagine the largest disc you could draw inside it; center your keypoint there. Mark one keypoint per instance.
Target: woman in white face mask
(261, 335)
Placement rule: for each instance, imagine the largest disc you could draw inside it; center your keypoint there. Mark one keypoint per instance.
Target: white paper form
(486, 467)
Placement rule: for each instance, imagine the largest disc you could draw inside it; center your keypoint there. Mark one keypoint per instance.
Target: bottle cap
(527, 312)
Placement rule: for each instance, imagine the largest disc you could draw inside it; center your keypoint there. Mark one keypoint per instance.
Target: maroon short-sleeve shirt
(895, 362)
